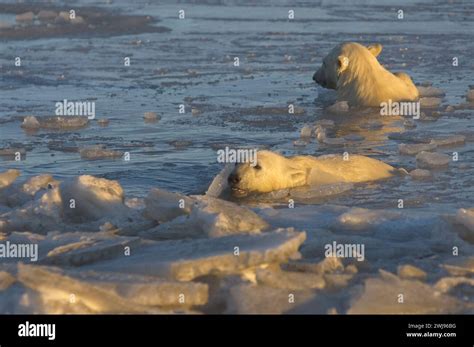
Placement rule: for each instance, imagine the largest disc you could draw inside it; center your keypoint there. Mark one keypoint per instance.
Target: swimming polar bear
(355, 73)
(274, 171)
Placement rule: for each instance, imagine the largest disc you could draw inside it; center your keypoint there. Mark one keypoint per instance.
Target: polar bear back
(357, 168)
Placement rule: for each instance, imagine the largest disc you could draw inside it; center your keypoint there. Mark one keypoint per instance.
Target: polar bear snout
(324, 79)
(233, 179)
(318, 78)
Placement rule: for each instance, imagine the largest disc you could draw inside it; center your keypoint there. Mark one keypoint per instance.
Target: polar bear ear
(343, 62)
(375, 49)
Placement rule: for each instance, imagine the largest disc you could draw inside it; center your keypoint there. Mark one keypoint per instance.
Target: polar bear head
(341, 58)
(272, 172)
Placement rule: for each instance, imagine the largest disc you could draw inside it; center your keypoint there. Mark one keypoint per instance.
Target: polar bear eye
(257, 167)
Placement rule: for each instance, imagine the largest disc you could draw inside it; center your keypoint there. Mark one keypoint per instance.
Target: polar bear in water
(355, 73)
(274, 171)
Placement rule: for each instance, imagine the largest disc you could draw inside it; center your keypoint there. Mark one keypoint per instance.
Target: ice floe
(151, 117)
(411, 272)
(460, 266)
(86, 198)
(219, 183)
(430, 102)
(470, 95)
(306, 131)
(420, 174)
(448, 141)
(432, 160)
(362, 219)
(259, 299)
(163, 253)
(55, 122)
(276, 278)
(99, 152)
(164, 206)
(389, 294)
(186, 260)
(413, 149)
(429, 91)
(72, 291)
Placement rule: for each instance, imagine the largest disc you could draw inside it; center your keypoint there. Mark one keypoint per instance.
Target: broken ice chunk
(151, 117)
(430, 102)
(460, 266)
(327, 265)
(450, 109)
(429, 91)
(382, 296)
(306, 131)
(164, 206)
(411, 272)
(40, 215)
(339, 107)
(63, 122)
(432, 160)
(470, 95)
(99, 152)
(260, 299)
(462, 285)
(277, 278)
(420, 174)
(219, 183)
(103, 122)
(218, 217)
(87, 198)
(209, 217)
(26, 17)
(412, 149)
(77, 20)
(363, 219)
(180, 144)
(45, 15)
(447, 141)
(107, 292)
(30, 122)
(185, 260)
(89, 251)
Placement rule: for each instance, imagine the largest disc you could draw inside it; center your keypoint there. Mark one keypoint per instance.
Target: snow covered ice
(175, 240)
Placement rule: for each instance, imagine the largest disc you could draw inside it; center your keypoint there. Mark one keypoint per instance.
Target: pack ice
(99, 252)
